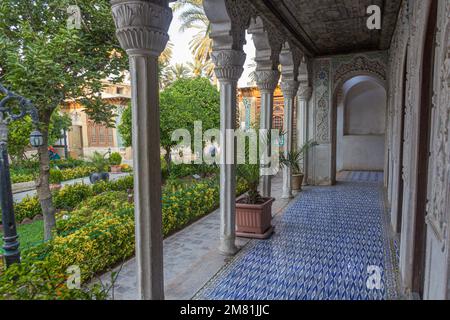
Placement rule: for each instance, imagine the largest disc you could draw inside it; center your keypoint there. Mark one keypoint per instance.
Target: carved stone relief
(322, 69)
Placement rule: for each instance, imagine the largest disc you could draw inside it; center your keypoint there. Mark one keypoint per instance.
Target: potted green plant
(101, 164)
(115, 159)
(253, 211)
(293, 160)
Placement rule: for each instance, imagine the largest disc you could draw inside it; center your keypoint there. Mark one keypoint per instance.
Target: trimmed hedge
(94, 208)
(96, 246)
(61, 170)
(69, 197)
(97, 235)
(180, 206)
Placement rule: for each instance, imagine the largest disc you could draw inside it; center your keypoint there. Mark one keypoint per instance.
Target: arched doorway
(359, 124)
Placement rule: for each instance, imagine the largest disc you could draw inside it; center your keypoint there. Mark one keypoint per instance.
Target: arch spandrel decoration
(359, 65)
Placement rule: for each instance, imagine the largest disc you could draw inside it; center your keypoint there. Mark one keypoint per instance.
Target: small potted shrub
(115, 159)
(293, 160)
(101, 164)
(253, 212)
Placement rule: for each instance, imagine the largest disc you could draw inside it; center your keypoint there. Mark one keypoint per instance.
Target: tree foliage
(47, 62)
(181, 104)
(193, 16)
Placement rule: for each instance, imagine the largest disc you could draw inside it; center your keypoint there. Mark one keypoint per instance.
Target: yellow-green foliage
(93, 248)
(97, 235)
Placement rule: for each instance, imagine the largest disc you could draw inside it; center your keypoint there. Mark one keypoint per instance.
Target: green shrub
(70, 196)
(56, 176)
(29, 207)
(115, 159)
(97, 235)
(22, 177)
(78, 172)
(93, 248)
(93, 208)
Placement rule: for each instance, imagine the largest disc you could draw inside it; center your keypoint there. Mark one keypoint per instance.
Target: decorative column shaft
(228, 69)
(304, 95)
(267, 81)
(142, 31)
(289, 88)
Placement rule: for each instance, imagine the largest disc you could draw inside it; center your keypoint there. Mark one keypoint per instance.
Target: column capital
(267, 80)
(229, 64)
(289, 88)
(141, 26)
(304, 92)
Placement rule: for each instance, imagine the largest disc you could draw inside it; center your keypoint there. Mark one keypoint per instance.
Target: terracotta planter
(116, 169)
(297, 181)
(254, 220)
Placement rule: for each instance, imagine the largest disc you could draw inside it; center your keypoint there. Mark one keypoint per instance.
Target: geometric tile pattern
(329, 245)
(361, 176)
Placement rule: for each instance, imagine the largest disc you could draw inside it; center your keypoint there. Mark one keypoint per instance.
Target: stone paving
(191, 257)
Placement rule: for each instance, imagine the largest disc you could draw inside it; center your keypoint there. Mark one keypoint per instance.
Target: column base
(287, 195)
(228, 247)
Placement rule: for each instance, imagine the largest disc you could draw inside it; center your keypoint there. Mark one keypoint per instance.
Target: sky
(182, 53)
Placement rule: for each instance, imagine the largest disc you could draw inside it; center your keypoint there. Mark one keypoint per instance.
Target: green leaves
(181, 104)
(48, 63)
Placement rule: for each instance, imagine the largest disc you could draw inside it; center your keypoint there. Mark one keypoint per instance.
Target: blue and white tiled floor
(331, 243)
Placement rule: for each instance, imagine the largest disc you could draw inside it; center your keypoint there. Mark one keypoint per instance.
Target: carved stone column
(142, 31)
(228, 68)
(304, 95)
(289, 89)
(267, 81)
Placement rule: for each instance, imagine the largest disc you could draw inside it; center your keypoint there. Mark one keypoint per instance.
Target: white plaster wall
(361, 118)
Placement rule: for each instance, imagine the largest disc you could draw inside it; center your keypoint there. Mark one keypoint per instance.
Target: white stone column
(266, 81)
(304, 95)
(142, 31)
(228, 68)
(289, 88)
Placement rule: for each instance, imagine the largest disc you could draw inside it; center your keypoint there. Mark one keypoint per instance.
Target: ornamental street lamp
(8, 114)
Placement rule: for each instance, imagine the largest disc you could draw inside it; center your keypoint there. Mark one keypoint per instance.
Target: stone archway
(359, 66)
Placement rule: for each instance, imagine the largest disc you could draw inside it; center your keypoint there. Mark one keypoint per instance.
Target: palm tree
(166, 55)
(165, 76)
(197, 68)
(180, 71)
(193, 16)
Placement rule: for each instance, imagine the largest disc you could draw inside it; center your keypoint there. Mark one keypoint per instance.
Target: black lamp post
(7, 115)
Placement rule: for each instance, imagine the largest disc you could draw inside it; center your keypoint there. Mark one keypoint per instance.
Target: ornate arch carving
(438, 217)
(359, 65)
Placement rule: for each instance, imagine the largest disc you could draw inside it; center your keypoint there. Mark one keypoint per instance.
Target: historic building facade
(249, 102)
(85, 136)
(322, 52)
